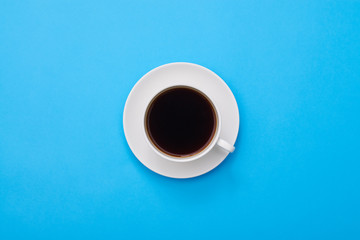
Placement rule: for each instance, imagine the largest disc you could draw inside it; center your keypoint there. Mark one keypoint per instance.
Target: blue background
(66, 68)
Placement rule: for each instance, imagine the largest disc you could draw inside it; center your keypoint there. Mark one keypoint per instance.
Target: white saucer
(183, 74)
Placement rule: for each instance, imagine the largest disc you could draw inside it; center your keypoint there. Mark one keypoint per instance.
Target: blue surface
(66, 68)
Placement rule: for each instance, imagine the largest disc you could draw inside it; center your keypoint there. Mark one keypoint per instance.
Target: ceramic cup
(216, 141)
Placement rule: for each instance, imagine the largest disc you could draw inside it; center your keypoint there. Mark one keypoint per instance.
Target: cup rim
(201, 153)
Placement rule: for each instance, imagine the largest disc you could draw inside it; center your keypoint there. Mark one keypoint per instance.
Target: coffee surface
(180, 121)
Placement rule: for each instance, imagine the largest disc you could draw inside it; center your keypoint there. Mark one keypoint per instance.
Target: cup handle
(225, 145)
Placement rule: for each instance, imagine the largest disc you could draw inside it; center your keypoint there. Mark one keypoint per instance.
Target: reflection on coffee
(180, 121)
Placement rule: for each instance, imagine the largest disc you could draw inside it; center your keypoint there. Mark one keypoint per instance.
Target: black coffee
(180, 121)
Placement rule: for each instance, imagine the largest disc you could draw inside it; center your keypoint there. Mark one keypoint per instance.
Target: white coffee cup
(216, 141)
